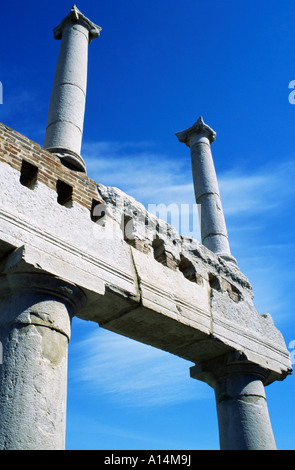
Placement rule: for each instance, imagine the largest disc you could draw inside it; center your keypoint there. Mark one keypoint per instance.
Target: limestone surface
(151, 284)
(70, 247)
(67, 103)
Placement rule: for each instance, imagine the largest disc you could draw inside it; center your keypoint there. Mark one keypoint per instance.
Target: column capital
(76, 17)
(235, 363)
(21, 290)
(199, 127)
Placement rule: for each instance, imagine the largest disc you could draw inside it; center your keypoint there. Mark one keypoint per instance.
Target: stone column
(67, 104)
(35, 323)
(242, 411)
(212, 223)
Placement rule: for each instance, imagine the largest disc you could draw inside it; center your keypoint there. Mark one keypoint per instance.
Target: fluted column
(67, 104)
(35, 325)
(214, 235)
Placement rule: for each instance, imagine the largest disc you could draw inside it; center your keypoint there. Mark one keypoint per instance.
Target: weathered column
(35, 324)
(212, 223)
(67, 104)
(242, 411)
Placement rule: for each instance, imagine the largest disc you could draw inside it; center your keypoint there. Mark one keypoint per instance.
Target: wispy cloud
(257, 191)
(133, 373)
(258, 204)
(140, 170)
(150, 176)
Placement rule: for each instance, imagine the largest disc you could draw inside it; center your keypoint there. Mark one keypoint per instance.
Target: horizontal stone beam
(147, 282)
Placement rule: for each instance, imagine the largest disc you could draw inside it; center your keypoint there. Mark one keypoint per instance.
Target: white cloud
(249, 197)
(138, 169)
(246, 193)
(133, 373)
(152, 177)
(148, 176)
(257, 191)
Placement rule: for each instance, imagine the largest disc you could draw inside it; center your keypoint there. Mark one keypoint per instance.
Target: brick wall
(15, 149)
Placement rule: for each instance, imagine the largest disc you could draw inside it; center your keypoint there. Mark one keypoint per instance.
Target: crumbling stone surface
(145, 232)
(140, 277)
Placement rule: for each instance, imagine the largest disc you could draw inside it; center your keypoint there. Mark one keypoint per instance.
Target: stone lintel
(131, 288)
(199, 127)
(75, 16)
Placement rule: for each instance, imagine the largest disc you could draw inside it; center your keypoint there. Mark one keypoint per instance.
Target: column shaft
(67, 104)
(242, 411)
(243, 418)
(212, 222)
(35, 322)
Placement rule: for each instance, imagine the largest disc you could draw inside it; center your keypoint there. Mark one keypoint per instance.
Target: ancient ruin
(71, 246)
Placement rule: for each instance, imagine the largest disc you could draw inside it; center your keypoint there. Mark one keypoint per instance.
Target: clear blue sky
(156, 67)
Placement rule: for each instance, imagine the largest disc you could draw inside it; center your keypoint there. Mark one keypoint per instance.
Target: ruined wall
(141, 278)
(109, 205)
(39, 166)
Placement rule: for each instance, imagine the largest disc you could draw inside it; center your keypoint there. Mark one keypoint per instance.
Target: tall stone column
(35, 324)
(242, 411)
(212, 222)
(67, 104)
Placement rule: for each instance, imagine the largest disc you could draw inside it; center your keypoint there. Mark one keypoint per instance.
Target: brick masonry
(14, 148)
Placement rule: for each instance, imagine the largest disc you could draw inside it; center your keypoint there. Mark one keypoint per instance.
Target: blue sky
(158, 66)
